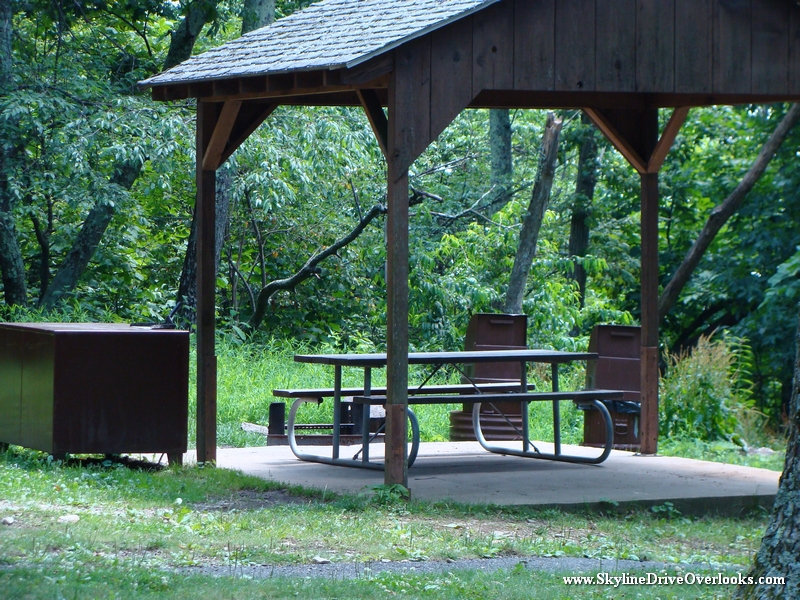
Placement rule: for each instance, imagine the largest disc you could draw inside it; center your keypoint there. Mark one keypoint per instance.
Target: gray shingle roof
(327, 35)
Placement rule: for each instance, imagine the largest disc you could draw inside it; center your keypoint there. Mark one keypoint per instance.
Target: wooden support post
(396, 470)
(635, 134)
(207, 117)
(649, 350)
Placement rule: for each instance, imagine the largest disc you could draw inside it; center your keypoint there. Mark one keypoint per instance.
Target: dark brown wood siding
(534, 45)
(794, 49)
(693, 64)
(655, 45)
(412, 123)
(770, 68)
(616, 46)
(493, 48)
(451, 74)
(575, 45)
(721, 47)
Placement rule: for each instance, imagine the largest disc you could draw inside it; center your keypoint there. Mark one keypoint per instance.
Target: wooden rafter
(307, 84)
(620, 141)
(249, 120)
(212, 158)
(641, 157)
(667, 138)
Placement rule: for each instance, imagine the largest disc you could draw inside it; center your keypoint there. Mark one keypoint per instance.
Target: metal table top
(438, 358)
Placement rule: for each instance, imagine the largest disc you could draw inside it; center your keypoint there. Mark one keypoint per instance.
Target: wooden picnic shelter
(425, 61)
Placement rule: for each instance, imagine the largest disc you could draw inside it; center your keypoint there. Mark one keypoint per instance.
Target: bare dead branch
(310, 268)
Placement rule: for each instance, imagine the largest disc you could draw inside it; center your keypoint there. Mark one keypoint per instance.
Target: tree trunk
(187, 285)
(582, 203)
(779, 555)
(92, 230)
(6, 33)
(198, 13)
(723, 212)
(12, 266)
(43, 237)
(257, 14)
(501, 161)
(532, 222)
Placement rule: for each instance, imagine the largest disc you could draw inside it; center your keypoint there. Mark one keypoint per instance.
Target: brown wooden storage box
(94, 388)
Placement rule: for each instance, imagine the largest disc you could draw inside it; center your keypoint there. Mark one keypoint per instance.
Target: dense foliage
(706, 394)
(81, 143)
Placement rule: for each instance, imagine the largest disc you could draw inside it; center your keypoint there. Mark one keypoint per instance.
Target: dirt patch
(135, 463)
(250, 500)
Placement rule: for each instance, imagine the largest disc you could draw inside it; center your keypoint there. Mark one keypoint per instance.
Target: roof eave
(418, 34)
(148, 83)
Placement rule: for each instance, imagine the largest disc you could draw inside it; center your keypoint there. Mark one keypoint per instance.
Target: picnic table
(479, 393)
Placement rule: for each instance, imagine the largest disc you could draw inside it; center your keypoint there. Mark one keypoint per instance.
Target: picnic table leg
(414, 423)
(523, 378)
(476, 425)
(337, 403)
(556, 413)
(365, 415)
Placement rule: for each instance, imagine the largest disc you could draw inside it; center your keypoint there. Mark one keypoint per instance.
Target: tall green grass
(707, 395)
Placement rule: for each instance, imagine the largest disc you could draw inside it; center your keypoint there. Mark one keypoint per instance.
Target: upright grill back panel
(492, 332)
(617, 368)
(496, 332)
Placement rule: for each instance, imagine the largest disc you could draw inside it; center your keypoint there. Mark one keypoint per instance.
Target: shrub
(706, 390)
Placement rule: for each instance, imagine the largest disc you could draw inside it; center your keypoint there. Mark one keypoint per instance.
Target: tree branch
(532, 220)
(309, 268)
(720, 215)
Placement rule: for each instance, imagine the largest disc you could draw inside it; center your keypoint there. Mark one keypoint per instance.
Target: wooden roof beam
(622, 129)
(226, 87)
(369, 71)
(303, 83)
(309, 79)
(176, 92)
(250, 116)
(333, 77)
(667, 138)
(377, 118)
(201, 89)
(254, 85)
(610, 128)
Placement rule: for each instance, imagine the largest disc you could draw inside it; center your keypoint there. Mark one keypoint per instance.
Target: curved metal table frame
(364, 463)
(557, 455)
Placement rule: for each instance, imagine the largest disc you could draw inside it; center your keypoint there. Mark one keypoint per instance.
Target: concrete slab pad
(463, 472)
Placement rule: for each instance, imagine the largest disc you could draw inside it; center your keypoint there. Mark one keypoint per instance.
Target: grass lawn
(83, 529)
(110, 531)
(519, 583)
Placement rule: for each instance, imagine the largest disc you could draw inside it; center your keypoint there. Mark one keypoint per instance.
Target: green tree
(76, 134)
